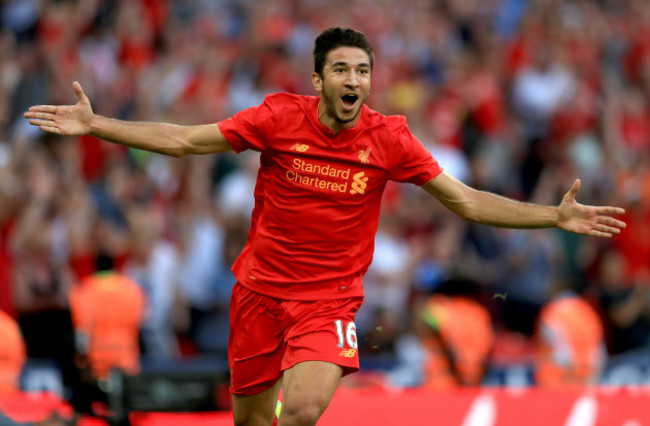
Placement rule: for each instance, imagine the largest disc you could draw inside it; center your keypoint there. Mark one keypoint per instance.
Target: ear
(317, 82)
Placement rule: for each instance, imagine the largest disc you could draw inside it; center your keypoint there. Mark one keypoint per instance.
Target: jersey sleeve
(413, 162)
(250, 128)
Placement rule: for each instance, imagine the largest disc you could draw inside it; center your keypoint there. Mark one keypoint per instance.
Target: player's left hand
(588, 220)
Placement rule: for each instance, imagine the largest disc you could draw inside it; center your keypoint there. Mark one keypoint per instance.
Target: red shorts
(269, 335)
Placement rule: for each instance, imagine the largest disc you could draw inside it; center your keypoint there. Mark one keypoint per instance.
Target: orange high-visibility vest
(570, 343)
(107, 309)
(12, 355)
(464, 331)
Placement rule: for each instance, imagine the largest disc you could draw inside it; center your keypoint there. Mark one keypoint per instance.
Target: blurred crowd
(518, 97)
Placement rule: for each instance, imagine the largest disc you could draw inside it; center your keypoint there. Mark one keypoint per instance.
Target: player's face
(343, 88)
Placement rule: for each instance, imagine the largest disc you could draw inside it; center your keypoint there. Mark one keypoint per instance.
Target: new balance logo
(300, 147)
(360, 183)
(363, 156)
(348, 353)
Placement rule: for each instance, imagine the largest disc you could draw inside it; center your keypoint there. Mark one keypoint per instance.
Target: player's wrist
(96, 125)
(555, 216)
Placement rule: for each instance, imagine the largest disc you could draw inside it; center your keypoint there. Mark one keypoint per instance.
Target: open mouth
(349, 100)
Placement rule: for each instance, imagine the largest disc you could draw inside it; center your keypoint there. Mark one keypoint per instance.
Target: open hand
(67, 120)
(588, 220)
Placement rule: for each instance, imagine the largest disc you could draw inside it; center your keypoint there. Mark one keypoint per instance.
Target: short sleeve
(250, 128)
(413, 162)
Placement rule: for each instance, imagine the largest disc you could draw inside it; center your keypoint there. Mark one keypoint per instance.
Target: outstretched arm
(490, 209)
(169, 139)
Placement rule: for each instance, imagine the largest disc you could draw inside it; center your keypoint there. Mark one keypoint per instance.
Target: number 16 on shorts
(348, 336)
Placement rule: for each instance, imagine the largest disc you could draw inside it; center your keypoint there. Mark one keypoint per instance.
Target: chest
(352, 167)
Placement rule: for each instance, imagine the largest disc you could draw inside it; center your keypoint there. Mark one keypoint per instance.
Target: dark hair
(333, 38)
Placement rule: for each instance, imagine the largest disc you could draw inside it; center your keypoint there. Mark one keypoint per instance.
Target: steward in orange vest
(456, 332)
(12, 355)
(571, 344)
(107, 313)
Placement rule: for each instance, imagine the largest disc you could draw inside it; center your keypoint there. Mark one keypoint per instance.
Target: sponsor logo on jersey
(327, 177)
(300, 147)
(359, 184)
(319, 176)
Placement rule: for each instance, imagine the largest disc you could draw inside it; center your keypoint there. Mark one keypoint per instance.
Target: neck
(331, 121)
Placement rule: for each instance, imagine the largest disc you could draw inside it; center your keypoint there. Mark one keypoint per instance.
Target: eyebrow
(340, 63)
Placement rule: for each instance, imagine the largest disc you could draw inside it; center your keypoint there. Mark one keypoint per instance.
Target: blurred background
(518, 97)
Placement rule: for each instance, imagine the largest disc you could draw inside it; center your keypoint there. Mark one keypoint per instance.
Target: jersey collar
(313, 106)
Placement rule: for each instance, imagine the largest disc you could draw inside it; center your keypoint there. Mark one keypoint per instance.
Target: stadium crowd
(517, 97)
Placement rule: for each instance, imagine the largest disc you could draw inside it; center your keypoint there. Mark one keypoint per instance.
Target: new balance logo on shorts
(348, 353)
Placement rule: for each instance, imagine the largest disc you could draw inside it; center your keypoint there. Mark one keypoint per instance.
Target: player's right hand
(67, 120)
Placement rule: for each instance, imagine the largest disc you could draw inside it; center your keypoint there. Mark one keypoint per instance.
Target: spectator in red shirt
(325, 162)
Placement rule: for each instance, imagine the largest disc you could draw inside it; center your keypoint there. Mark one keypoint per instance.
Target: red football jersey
(318, 194)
